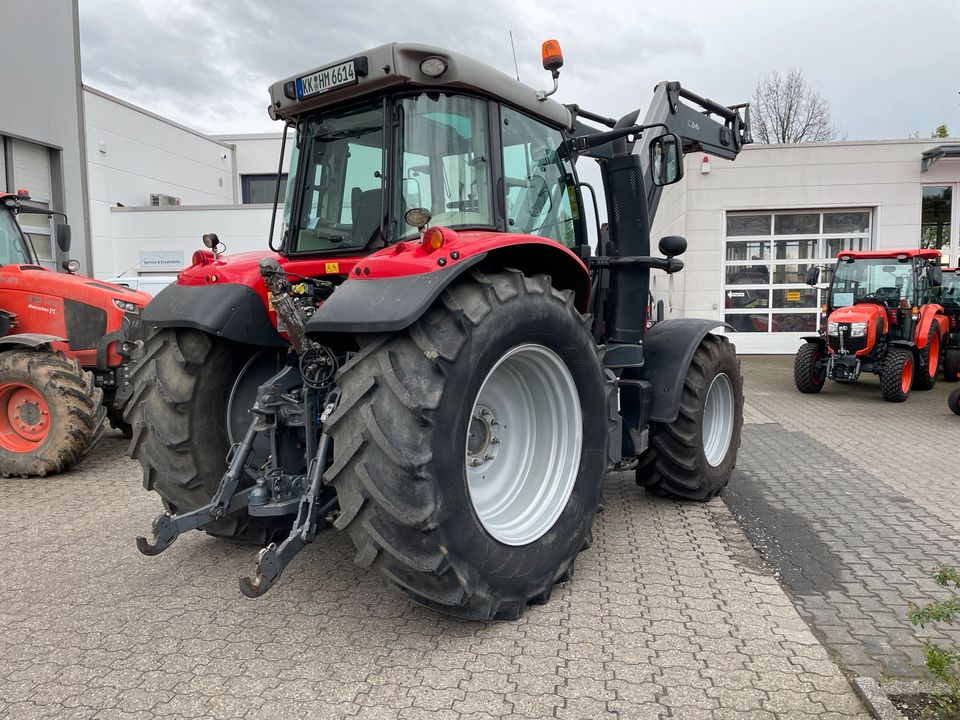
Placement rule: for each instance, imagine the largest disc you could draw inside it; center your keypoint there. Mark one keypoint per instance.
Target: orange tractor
(61, 367)
(880, 320)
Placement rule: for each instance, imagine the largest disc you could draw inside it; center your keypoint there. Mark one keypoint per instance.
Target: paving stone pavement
(853, 502)
(670, 614)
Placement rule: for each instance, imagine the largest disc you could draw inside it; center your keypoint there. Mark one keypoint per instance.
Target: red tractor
(60, 361)
(434, 361)
(878, 319)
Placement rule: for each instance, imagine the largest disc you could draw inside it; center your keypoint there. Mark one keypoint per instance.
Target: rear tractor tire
(953, 402)
(693, 457)
(469, 450)
(51, 413)
(178, 410)
(928, 364)
(896, 379)
(951, 364)
(809, 372)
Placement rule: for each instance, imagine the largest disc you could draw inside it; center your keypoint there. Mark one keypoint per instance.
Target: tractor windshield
(12, 246)
(880, 279)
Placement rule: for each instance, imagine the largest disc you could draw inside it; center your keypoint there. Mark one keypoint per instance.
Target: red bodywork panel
(398, 260)
(36, 297)
(930, 314)
(868, 313)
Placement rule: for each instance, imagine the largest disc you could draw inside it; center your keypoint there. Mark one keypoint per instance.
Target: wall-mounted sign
(161, 259)
(793, 296)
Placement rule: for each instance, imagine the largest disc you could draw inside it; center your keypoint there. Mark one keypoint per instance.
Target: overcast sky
(888, 68)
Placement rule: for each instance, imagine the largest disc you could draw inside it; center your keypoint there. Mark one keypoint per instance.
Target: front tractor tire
(470, 449)
(693, 457)
(896, 378)
(178, 412)
(51, 413)
(809, 371)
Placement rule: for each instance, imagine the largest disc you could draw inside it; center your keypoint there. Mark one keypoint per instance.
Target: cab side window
(538, 183)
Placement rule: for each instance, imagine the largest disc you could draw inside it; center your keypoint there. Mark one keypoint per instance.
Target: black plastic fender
(818, 339)
(230, 310)
(908, 344)
(384, 304)
(28, 340)
(668, 349)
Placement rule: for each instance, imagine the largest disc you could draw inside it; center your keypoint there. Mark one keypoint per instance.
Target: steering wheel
(874, 297)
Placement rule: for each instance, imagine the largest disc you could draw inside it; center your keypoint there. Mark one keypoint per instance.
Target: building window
(767, 258)
(935, 216)
(261, 188)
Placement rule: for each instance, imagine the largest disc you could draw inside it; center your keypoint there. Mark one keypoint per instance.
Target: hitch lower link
(271, 560)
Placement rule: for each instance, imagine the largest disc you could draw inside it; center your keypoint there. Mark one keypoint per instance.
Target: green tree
(941, 131)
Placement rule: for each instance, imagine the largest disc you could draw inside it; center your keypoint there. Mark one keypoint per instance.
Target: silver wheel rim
(718, 420)
(523, 444)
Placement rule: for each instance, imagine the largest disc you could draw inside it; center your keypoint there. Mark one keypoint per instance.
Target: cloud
(208, 64)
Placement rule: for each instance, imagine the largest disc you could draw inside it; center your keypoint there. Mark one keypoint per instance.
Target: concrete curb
(876, 699)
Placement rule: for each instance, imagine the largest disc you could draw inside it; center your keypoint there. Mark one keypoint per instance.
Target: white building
(755, 226)
(141, 189)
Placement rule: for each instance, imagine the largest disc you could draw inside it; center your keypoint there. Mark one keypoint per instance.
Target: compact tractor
(433, 361)
(879, 319)
(60, 361)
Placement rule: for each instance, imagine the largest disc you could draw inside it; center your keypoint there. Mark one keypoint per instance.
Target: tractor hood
(36, 279)
(864, 312)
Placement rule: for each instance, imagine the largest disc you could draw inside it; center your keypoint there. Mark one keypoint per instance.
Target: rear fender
(388, 302)
(931, 315)
(668, 349)
(229, 310)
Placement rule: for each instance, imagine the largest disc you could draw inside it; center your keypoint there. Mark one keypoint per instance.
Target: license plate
(327, 79)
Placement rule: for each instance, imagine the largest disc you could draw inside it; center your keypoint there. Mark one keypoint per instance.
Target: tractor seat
(366, 213)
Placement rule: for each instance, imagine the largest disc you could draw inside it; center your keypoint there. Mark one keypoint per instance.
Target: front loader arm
(701, 124)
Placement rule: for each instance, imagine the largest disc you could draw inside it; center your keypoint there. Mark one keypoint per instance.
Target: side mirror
(813, 276)
(666, 159)
(673, 245)
(63, 237)
(935, 275)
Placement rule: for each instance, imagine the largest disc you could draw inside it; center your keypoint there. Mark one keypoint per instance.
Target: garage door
(767, 258)
(31, 171)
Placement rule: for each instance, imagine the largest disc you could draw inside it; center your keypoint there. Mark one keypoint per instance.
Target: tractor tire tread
(804, 370)
(387, 486)
(674, 466)
(163, 413)
(74, 401)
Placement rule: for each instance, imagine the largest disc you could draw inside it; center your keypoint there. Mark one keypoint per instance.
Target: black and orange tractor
(61, 366)
(879, 319)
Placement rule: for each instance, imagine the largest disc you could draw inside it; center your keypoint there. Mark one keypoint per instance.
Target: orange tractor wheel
(50, 413)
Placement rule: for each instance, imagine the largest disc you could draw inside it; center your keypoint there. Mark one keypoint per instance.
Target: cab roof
(928, 253)
(396, 66)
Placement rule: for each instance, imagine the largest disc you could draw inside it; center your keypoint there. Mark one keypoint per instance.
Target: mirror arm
(581, 143)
